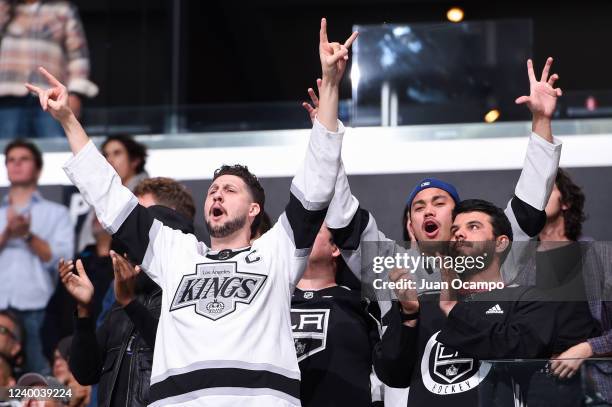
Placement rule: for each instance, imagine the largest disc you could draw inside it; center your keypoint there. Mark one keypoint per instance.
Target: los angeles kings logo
(216, 288)
(445, 371)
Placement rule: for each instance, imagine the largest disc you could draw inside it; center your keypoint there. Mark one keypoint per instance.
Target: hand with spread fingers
(54, 100)
(78, 285)
(125, 279)
(542, 99)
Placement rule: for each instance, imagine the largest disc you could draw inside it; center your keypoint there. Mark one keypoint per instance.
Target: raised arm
(55, 101)
(526, 209)
(312, 187)
(116, 207)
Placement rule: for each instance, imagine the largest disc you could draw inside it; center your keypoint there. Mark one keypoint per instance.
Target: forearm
(143, 320)
(542, 126)
(328, 104)
(85, 356)
(40, 248)
(395, 356)
(77, 138)
(540, 166)
(467, 331)
(4, 237)
(602, 345)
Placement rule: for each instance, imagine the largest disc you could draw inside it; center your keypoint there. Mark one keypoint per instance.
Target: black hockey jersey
(334, 335)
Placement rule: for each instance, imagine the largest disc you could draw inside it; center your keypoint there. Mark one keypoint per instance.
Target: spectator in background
(81, 395)
(37, 380)
(158, 191)
(11, 336)
(128, 157)
(7, 377)
(36, 233)
(590, 264)
(35, 33)
(126, 337)
(96, 260)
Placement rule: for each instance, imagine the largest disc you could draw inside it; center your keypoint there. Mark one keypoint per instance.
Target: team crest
(309, 331)
(445, 371)
(216, 288)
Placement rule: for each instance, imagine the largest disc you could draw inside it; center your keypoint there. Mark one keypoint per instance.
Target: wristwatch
(28, 237)
(409, 317)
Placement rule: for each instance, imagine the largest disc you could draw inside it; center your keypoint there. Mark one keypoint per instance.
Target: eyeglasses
(5, 331)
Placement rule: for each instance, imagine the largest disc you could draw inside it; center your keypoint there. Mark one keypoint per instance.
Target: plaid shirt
(48, 34)
(598, 283)
(597, 277)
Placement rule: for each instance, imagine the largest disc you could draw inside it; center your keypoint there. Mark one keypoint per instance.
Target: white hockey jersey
(224, 335)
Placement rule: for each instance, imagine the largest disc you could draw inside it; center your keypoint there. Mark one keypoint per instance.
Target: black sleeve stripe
(134, 233)
(304, 224)
(349, 237)
(530, 219)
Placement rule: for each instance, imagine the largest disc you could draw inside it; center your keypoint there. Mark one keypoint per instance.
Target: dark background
(266, 50)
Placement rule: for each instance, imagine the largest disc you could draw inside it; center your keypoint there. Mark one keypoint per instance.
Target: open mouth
(216, 212)
(431, 228)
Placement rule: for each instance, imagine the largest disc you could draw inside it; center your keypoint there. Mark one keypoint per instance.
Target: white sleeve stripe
(539, 170)
(309, 206)
(122, 215)
(153, 232)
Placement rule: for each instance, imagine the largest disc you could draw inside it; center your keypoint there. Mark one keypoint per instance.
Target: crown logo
(452, 371)
(215, 307)
(300, 347)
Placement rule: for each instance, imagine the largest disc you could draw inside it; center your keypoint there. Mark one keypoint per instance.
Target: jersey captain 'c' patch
(215, 289)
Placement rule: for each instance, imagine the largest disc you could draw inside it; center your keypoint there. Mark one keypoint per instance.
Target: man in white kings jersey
(224, 334)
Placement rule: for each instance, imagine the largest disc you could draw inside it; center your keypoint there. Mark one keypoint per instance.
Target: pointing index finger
(52, 80)
(530, 72)
(323, 31)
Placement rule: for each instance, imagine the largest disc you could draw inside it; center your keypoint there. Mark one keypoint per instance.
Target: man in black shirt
(334, 332)
(459, 330)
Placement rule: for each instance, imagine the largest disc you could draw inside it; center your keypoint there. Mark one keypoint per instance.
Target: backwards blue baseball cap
(433, 183)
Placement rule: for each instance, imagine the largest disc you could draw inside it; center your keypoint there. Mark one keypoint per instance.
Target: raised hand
(54, 100)
(407, 297)
(78, 285)
(334, 55)
(314, 108)
(542, 99)
(125, 279)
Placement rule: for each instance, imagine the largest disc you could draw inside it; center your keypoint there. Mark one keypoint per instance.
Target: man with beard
(224, 334)
(430, 206)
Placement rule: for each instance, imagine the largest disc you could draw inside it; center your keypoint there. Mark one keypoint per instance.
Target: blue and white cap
(433, 183)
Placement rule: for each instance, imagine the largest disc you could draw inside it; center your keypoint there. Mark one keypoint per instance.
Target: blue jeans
(35, 360)
(23, 117)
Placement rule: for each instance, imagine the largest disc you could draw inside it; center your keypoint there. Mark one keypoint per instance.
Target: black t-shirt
(334, 335)
(451, 367)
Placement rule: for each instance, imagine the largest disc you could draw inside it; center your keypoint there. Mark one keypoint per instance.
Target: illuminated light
(492, 116)
(355, 75)
(591, 104)
(455, 15)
